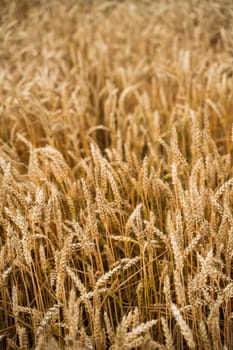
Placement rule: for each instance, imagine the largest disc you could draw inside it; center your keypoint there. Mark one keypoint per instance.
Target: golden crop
(116, 174)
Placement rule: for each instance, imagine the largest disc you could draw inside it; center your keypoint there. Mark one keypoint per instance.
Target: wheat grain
(52, 312)
(185, 330)
(167, 333)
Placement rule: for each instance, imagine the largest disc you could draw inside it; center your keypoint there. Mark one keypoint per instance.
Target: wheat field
(116, 174)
